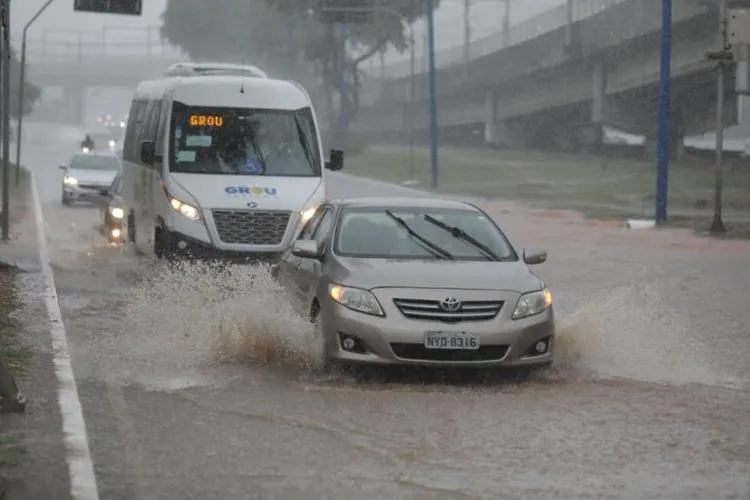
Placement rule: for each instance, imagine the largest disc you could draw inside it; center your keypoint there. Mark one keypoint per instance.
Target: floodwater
(193, 392)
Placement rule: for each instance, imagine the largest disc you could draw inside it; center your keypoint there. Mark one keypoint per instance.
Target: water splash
(199, 313)
(630, 333)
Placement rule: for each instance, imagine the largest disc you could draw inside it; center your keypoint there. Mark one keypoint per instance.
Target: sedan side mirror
(63, 167)
(533, 256)
(104, 192)
(306, 249)
(336, 160)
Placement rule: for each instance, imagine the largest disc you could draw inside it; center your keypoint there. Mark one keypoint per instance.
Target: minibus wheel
(163, 246)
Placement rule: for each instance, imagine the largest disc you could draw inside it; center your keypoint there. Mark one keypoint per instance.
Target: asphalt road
(649, 398)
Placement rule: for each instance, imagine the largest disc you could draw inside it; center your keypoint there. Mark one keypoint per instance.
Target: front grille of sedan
(470, 310)
(251, 227)
(421, 353)
(91, 186)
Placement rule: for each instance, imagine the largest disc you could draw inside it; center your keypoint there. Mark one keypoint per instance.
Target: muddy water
(209, 393)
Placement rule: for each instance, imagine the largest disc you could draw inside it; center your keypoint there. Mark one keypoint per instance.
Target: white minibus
(221, 163)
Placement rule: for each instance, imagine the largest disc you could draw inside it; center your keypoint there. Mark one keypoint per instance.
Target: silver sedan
(419, 282)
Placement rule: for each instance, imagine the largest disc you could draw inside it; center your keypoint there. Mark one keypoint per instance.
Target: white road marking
(80, 466)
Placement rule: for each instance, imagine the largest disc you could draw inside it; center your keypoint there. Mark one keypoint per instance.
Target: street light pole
(506, 24)
(22, 84)
(432, 94)
(662, 166)
(717, 224)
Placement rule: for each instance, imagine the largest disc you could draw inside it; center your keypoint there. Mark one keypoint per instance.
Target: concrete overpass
(557, 79)
(79, 65)
(76, 77)
(102, 71)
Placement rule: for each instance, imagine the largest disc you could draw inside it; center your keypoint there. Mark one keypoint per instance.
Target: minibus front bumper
(182, 246)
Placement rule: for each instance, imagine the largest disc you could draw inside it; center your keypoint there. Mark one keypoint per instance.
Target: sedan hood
(375, 273)
(93, 177)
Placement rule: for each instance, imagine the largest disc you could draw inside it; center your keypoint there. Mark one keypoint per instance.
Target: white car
(87, 175)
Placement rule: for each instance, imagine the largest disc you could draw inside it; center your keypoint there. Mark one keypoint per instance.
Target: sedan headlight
(70, 181)
(116, 212)
(188, 211)
(356, 299)
(306, 215)
(112, 144)
(532, 303)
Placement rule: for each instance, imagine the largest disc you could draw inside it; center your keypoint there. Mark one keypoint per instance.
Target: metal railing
(519, 33)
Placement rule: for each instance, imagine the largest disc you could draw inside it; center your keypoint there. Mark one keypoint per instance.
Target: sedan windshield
(240, 141)
(373, 232)
(94, 162)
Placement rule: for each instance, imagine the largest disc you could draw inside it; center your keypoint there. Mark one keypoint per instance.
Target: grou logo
(251, 190)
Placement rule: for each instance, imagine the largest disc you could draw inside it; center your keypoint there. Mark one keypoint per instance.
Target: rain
(201, 380)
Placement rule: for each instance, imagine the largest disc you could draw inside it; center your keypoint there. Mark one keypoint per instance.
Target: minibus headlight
(185, 209)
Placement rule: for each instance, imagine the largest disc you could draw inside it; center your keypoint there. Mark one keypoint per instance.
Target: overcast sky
(59, 19)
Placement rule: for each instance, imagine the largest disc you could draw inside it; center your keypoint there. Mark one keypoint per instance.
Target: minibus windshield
(242, 141)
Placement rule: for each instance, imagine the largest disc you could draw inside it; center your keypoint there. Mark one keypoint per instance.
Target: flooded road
(649, 398)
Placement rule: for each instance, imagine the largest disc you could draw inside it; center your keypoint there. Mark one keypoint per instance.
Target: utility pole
(467, 37)
(432, 89)
(344, 101)
(717, 224)
(6, 117)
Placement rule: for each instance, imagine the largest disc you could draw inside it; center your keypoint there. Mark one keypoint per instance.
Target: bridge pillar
(498, 132)
(74, 103)
(490, 117)
(598, 101)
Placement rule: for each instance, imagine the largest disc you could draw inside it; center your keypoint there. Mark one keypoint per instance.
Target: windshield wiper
(258, 153)
(433, 248)
(303, 141)
(459, 233)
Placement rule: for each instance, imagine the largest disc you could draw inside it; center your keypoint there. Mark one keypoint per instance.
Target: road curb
(640, 224)
(80, 465)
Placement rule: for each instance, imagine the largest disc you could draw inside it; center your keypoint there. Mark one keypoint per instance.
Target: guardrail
(519, 33)
(44, 52)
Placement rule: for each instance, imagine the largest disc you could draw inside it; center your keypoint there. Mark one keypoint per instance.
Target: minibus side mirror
(336, 160)
(148, 152)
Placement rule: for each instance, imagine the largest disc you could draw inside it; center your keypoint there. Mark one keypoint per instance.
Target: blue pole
(343, 111)
(662, 167)
(433, 95)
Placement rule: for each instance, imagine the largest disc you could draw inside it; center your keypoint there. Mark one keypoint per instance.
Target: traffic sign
(127, 7)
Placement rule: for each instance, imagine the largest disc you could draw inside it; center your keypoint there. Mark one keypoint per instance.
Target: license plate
(449, 340)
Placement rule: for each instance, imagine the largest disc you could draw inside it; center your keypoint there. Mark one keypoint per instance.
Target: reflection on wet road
(648, 399)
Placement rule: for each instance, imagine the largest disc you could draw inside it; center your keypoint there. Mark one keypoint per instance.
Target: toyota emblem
(252, 204)
(450, 304)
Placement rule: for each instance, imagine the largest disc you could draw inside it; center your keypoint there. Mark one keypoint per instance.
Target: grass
(19, 195)
(17, 356)
(12, 455)
(13, 350)
(599, 187)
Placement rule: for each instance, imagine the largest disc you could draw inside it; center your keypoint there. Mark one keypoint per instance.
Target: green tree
(287, 39)
(31, 93)
(388, 27)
